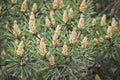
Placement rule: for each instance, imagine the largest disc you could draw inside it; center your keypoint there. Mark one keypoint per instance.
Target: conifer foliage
(56, 40)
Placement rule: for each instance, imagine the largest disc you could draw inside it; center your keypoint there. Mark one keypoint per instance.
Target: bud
(81, 37)
(98, 5)
(81, 23)
(55, 4)
(114, 24)
(53, 21)
(16, 29)
(52, 14)
(33, 78)
(32, 24)
(22, 62)
(55, 40)
(16, 44)
(14, 1)
(97, 32)
(32, 16)
(3, 54)
(7, 26)
(42, 48)
(51, 60)
(48, 55)
(109, 32)
(68, 7)
(65, 49)
(83, 6)
(34, 8)
(73, 36)
(101, 39)
(103, 20)
(95, 41)
(61, 4)
(52, 17)
(94, 22)
(23, 78)
(47, 21)
(24, 6)
(84, 43)
(70, 13)
(97, 77)
(57, 30)
(65, 16)
(4, 68)
(20, 49)
(23, 38)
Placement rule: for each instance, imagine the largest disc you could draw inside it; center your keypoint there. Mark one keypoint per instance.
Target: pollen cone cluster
(103, 20)
(94, 21)
(70, 13)
(84, 43)
(55, 4)
(81, 23)
(65, 49)
(24, 6)
(3, 54)
(73, 36)
(65, 16)
(58, 4)
(111, 29)
(83, 6)
(52, 17)
(114, 24)
(20, 49)
(42, 48)
(52, 60)
(34, 8)
(109, 32)
(32, 24)
(55, 37)
(47, 21)
(14, 1)
(16, 29)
